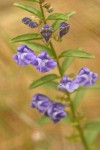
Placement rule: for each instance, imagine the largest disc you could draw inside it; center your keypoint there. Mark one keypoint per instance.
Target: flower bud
(64, 28)
(26, 20)
(50, 9)
(46, 32)
(33, 24)
(46, 5)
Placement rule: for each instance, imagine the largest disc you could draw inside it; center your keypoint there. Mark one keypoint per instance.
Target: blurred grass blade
(39, 47)
(43, 80)
(66, 63)
(78, 98)
(76, 53)
(29, 9)
(43, 120)
(26, 37)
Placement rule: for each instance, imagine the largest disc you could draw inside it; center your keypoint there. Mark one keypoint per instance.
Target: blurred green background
(18, 130)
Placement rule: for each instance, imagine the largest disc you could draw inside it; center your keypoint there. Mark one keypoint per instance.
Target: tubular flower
(43, 62)
(56, 112)
(46, 32)
(64, 28)
(45, 105)
(24, 56)
(66, 84)
(85, 77)
(41, 102)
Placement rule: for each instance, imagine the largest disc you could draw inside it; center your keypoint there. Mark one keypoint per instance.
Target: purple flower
(33, 24)
(46, 32)
(85, 77)
(41, 102)
(64, 28)
(56, 112)
(66, 84)
(43, 62)
(24, 56)
(26, 20)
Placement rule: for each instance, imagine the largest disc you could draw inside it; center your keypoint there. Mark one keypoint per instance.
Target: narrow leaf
(90, 136)
(66, 63)
(39, 47)
(29, 9)
(52, 85)
(56, 16)
(93, 125)
(33, 1)
(43, 80)
(43, 120)
(76, 53)
(57, 23)
(95, 86)
(60, 16)
(78, 97)
(27, 37)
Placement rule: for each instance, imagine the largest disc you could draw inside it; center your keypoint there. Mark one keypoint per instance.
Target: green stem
(79, 128)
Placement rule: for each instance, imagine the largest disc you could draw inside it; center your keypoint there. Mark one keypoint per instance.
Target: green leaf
(66, 63)
(27, 37)
(78, 97)
(57, 16)
(43, 120)
(43, 80)
(57, 23)
(52, 85)
(93, 125)
(90, 136)
(39, 47)
(60, 16)
(33, 1)
(95, 86)
(29, 9)
(76, 53)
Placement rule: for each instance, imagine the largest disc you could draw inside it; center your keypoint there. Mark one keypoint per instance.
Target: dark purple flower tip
(56, 112)
(24, 56)
(43, 62)
(85, 77)
(41, 102)
(26, 20)
(33, 24)
(64, 28)
(46, 32)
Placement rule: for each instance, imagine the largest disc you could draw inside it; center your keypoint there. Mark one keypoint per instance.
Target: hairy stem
(78, 127)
